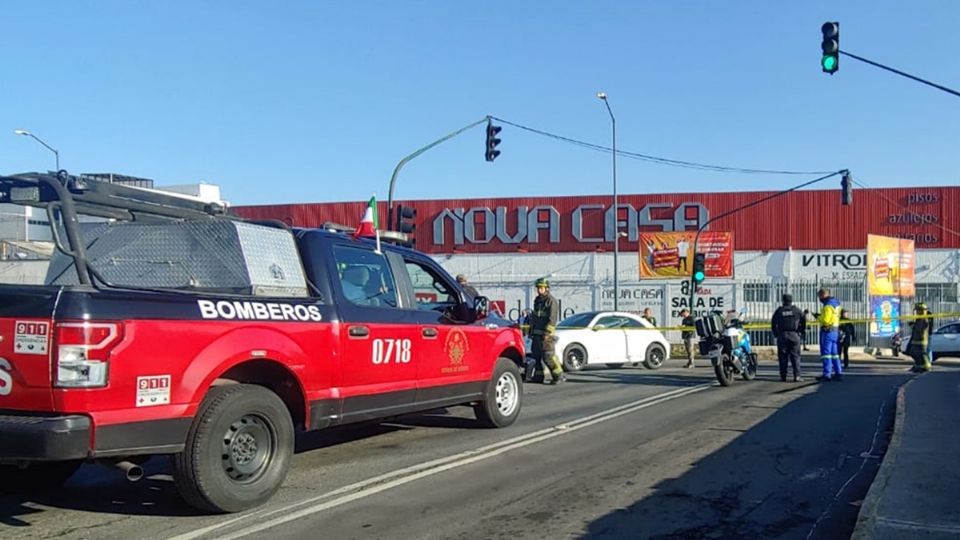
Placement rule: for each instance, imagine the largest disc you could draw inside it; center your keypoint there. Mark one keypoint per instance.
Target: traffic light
(830, 62)
(492, 141)
(846, 189)
(405, 217)
(699, 268)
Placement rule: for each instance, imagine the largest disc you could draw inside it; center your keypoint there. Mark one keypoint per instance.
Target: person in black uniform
(467, 288)
(803, 328)
(786, 325)
(848, 333)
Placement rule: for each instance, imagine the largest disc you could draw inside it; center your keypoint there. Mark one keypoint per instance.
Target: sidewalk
(916, 493)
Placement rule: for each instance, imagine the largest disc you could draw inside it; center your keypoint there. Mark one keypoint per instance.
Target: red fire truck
(166, 326)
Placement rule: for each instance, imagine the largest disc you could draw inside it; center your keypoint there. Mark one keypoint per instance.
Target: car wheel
(238, 450)
(655, 356)
(574, 357)
(503, 397)
(36, 476)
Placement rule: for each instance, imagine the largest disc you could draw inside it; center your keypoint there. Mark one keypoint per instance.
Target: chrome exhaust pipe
(131, 471)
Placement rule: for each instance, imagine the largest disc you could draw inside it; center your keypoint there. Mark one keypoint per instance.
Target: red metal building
(806, 220)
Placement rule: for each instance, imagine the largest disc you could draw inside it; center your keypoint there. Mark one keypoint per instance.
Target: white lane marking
(399, 477)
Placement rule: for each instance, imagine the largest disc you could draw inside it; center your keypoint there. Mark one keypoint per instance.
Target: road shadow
(96, 488)
(100, 489)
(775, 479)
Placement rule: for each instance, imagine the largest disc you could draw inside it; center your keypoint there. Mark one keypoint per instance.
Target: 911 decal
(31, 337)
(257, 311)
(391, 351)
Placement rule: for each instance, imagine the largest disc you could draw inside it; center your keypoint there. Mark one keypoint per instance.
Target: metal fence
(762, 297)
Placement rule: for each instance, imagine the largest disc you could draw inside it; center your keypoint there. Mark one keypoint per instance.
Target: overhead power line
(657, 159)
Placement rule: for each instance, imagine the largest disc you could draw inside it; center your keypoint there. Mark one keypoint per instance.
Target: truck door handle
(358, 331)
(429, 332)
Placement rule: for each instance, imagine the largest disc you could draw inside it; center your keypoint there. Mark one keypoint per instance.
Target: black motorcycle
(728, 347)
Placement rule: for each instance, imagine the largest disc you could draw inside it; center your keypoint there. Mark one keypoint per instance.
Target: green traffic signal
(699, 268)
(829, 63)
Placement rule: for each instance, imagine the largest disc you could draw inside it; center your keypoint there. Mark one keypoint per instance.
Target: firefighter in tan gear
(543, 328)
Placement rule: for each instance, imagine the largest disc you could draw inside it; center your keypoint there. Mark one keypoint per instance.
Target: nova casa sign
(482, 225)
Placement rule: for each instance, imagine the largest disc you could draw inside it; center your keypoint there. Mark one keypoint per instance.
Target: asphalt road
(626, 453)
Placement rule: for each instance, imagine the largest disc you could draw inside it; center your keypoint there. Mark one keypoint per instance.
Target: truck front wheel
(501, 404)
(238, 450)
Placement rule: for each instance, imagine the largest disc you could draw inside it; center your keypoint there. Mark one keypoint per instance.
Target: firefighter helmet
(542, 282)
(920, 307)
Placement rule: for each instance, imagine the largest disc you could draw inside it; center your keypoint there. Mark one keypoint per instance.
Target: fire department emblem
(456, 346)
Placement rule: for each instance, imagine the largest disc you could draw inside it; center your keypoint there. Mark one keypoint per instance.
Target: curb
(867, 519)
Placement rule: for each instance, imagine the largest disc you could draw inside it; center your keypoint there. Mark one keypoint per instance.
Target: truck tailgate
(26, 325)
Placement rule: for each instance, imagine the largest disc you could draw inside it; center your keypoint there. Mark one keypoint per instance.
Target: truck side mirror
(481, 307)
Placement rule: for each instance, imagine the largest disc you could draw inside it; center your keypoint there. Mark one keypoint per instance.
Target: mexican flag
(369, 224)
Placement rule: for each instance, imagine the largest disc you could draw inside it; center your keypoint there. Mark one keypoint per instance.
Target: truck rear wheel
(504, 394)
(238, 450)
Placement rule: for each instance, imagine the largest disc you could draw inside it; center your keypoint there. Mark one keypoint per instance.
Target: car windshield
(580, 320)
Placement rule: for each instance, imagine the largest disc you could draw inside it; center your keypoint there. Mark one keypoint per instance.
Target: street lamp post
(616, 228)
(26, 133)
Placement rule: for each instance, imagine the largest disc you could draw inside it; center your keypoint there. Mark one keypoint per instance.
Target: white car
(944, 341)
(611, 338)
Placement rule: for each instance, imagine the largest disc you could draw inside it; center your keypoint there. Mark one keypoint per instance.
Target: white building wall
(584, 281)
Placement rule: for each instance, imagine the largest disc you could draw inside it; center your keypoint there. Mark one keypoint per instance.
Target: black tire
(724, 375)
(216, 471)
(36, 476)
(655, 356)
(749, 372)
(614, 366)
(503, 397)
(574, 357)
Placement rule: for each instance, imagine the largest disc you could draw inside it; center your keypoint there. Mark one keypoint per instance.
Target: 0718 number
(387, 351)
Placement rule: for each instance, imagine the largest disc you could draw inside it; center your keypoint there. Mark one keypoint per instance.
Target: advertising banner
(890, 266)
(884, 316)
(710, 297)
(669, 255)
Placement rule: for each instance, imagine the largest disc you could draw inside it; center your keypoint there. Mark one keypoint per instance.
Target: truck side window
(365, 277)
(430, 290)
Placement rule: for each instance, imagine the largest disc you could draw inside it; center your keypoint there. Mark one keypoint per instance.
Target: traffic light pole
(898, 72)
(396, 170)
(696, 239)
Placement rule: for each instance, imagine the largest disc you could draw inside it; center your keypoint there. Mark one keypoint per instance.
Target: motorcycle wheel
(749, 372)
(723, 371)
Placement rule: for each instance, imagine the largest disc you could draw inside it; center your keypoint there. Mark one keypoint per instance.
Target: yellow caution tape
(766, 325)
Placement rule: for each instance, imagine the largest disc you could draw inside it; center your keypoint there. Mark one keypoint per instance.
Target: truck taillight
(83, 352)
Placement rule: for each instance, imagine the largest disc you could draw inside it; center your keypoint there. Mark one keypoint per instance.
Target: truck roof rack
(66, 196)
(95, 197)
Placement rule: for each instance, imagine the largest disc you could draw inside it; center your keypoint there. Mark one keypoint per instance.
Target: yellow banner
(890, 266)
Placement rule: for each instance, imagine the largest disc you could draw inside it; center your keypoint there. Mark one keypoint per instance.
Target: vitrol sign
(583, 227)
(849, 265)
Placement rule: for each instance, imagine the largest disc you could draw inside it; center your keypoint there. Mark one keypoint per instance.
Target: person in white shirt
(683, 247)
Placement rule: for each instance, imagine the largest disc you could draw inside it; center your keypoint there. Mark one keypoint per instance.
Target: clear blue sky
(283, 102)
